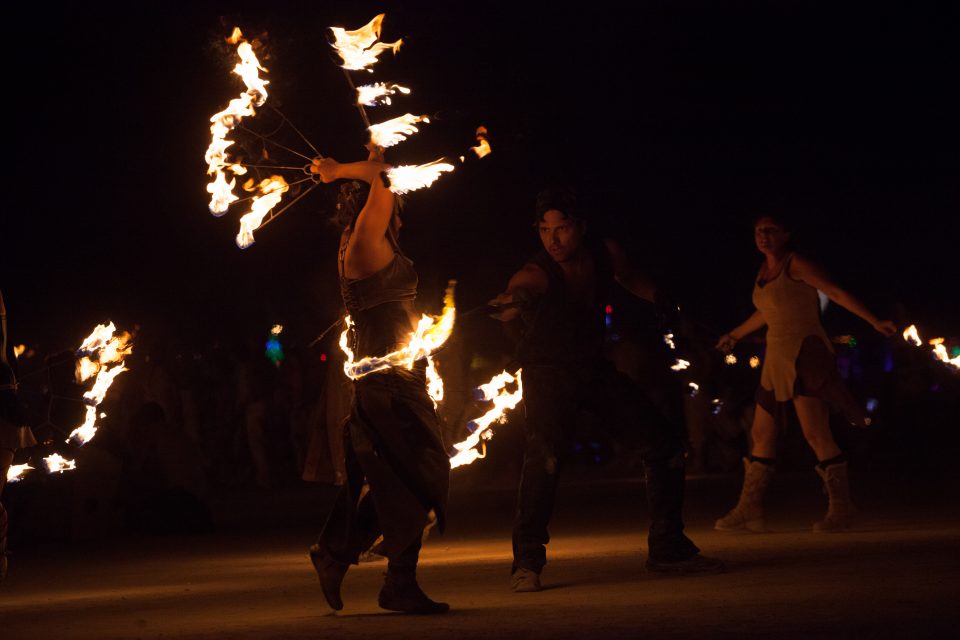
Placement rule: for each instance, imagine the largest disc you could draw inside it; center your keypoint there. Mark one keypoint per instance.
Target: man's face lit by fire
(561, 236)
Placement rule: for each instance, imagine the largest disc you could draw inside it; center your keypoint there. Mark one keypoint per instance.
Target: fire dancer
(799, 365)
(14, 432)
(393, 436)
(560, 296)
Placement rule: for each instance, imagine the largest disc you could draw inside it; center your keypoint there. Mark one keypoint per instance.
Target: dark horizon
(678, 125)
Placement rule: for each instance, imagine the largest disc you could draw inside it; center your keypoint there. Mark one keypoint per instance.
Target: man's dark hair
(563, 199)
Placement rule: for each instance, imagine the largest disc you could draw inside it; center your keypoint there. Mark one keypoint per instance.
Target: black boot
(670, 550)
(331, 573)
(401, 592)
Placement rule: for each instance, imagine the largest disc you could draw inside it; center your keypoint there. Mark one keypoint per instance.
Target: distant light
(277, 329)
(680, 365)
(694, 389)
(18, 350)
(754, 362)
(716, 405)
(323, 357)
(668, 340)
(609, 309)
(872, 404)
(730, 359)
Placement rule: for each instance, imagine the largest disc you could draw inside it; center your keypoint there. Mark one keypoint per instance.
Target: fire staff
(393, 437)
(560, 350)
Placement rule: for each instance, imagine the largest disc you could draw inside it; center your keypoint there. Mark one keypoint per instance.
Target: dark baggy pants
(393, 442)
(554, 397)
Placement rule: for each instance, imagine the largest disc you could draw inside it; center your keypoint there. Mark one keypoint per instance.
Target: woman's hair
(782, 220)
(351, 199)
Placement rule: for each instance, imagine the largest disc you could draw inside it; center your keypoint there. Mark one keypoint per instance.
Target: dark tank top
(381, 305)
(563, 329)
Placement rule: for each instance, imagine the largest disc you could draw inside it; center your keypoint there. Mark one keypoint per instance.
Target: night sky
(679, 122)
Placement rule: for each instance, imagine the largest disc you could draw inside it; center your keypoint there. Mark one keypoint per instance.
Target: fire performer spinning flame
(14, 432)
(393, 435)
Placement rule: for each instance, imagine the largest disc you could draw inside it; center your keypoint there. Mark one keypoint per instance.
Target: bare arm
(635, 282)
(751, 324)
(530, 281)
(805, 271)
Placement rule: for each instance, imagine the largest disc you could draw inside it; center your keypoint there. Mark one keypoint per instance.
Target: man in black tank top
(562, 292)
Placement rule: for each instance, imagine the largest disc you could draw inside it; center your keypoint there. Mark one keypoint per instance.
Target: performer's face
(770, 236)
(560, 235)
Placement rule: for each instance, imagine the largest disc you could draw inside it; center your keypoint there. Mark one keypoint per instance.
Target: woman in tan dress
(799, 366)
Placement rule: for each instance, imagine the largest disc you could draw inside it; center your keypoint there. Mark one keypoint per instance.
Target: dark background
(678, 122)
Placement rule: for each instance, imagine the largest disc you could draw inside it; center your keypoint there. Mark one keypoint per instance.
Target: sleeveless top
(381, 304)
(792, 311)
(563, 329)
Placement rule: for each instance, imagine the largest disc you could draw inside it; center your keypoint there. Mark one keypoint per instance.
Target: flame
(359, 49)
(430, 334)
(910, 335)
(680, 365)
(102, 355)
(434, 382)
(730, 359)
(503, 401)
(940, 351)
(394, 131)
(58, 464)
(754, 362)
(378, 93)
(271, 191)
(15, 472)
(220, 188)
(407, 178)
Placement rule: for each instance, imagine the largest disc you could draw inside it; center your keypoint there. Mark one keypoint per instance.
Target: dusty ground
(896, 575)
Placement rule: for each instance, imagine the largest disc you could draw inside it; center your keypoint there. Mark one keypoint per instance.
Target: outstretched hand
(726, 343)
(886, 327)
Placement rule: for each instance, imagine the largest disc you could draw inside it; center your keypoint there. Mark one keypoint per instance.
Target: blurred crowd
(184, 426)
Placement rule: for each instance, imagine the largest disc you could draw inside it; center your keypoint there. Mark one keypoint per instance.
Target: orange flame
(730, 359)
(271, 191)
(434, 382)
(15, 472)
(359, 49)
(221, 188)
(407, 178)
(58, 464)
(378, 93)
(503, 401)
(394, 131)
(754, 362)
(102, 356)
(910, 335)
(431, 333)
(483, 147)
